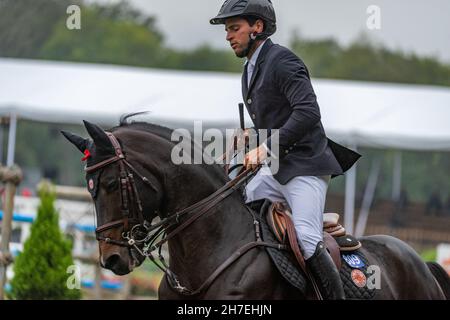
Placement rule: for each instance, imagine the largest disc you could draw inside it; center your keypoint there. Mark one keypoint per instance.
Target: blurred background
(381, 71)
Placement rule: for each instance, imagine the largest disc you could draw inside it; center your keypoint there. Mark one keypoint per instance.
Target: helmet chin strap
(252, 40)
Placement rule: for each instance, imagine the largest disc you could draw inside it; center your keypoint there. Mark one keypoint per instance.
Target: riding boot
(325, 274)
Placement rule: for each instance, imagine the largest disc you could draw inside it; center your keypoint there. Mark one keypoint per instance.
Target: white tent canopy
(356, 113)
(353, 113)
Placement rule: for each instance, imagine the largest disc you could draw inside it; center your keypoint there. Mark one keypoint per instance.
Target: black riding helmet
(262, 9)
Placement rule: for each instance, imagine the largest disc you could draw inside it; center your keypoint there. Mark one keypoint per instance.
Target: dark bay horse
(158, 187)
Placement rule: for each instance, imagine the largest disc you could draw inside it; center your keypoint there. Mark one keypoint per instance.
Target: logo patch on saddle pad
(359, 278)
(355, 276)
(353, 260)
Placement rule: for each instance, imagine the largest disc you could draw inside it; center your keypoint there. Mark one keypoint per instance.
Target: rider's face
(238, 31)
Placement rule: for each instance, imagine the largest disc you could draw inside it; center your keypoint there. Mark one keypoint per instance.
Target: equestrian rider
(278, 94)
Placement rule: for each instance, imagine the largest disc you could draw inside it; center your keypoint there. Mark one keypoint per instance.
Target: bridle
(128, 194)
(144, 233)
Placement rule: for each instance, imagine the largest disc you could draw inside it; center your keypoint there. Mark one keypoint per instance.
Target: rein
(145, 234)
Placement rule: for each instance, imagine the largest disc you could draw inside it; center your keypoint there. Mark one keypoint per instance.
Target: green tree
(26, 25)
(208, 59)
(319, 55)
(367, 60)
(107, 37)
(40, 271)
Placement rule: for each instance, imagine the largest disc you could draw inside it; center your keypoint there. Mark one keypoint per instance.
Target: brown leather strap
(144, 179)
(333, 248)
(120, 243)
(116, 145)
(233, 258)
(292, 237)
(109, 225)
(211, 201)
(102, 164)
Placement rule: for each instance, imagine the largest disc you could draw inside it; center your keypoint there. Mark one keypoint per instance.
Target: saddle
(279, 220)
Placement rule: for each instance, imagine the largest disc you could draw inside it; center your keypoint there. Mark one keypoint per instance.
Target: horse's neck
(200, 248)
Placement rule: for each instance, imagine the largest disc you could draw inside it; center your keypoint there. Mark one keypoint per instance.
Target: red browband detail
(87, 155)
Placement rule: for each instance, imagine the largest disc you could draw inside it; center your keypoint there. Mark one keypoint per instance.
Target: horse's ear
(77, 141)
(97, 134)
(101, 140)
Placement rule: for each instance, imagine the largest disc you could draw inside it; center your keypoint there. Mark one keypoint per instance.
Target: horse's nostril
(112, 261)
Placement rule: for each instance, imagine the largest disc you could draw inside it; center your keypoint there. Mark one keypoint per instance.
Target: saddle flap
(277, 221)
(279, 218)
(280, 221)
(333, 248)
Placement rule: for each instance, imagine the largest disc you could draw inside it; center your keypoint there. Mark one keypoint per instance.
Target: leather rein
(145, 234)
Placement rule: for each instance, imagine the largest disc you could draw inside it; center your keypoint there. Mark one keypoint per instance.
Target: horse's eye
(111, 185)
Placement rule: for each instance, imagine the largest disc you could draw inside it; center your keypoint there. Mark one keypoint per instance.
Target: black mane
(160, 131)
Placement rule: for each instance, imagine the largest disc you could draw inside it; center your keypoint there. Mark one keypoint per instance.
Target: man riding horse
(278, 94)
(214, 240)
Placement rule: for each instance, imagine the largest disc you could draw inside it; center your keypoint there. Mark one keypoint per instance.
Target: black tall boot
(325, 273)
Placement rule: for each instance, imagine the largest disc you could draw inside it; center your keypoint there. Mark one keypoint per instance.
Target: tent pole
(11, 140)
(1, 140)
(350, 191)
(397, 176)
(11, 177)
(368, 198)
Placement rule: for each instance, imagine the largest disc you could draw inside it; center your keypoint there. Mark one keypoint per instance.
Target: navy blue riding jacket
(280, 96)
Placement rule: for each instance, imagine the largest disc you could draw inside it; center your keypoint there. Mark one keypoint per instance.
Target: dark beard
(242, 54)
(247, 50)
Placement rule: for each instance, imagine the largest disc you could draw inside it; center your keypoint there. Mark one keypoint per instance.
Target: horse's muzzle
(116, 264)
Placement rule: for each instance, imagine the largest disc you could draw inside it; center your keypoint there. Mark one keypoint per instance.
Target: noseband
(133, 215)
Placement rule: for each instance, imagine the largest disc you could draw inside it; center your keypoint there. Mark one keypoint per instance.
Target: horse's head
(126, 193)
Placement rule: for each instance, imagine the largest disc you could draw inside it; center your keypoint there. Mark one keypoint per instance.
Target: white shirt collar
(255, 55)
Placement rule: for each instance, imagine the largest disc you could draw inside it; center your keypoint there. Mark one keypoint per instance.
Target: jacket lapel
(259, 62)
(244, 82)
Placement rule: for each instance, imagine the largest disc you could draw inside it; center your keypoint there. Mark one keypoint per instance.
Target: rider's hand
(245, 134)
(255, 157)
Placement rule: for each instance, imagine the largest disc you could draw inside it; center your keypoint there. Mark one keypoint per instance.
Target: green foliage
(26, 25)
(105, 40)
(40, 270)
(429, 255)
(204, 58)
(422, 172)
(41, 145)
(119, 34)
(319, 55)
(367, 61)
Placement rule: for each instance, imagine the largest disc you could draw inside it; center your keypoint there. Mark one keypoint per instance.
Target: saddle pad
(288, 267)
(354, 276)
